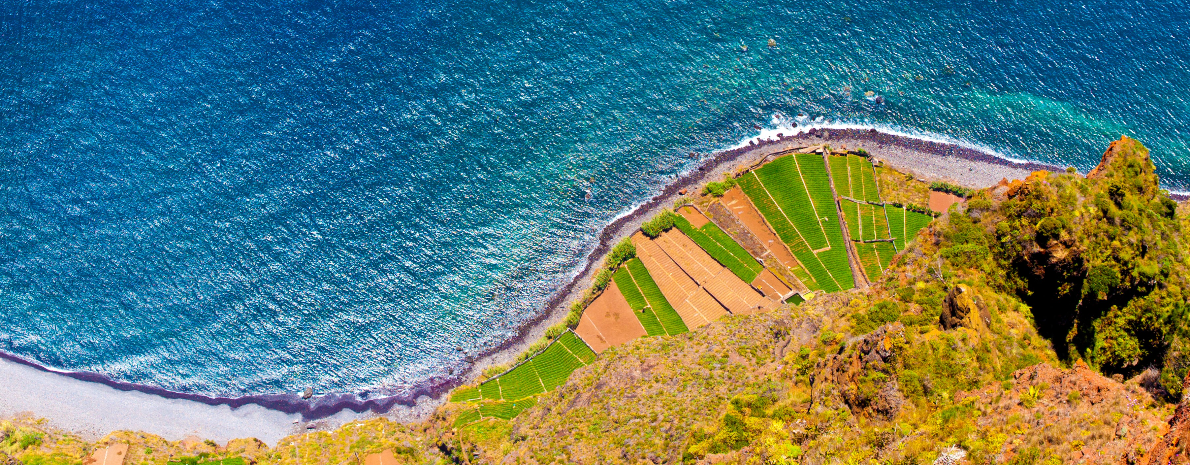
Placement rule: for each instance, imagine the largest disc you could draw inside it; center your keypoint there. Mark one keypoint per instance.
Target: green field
(636, 300)
(819, 278)
(784, 182)
(465, 394)
(504, 410)
(722, 248)
(467, 417)
(521, 382)
(851, 216)
(867, 178)
(905, 224)
(885, 251)
(794, 195)
(666, 316)
(840, 174)
(869, 259)
(577, 347)
(545, 371)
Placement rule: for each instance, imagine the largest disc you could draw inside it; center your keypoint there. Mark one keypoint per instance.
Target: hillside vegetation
(1043, 321)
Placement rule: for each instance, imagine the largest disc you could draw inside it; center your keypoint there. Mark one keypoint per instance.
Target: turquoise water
(234, 198)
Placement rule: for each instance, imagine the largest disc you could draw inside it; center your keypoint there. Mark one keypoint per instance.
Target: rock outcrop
(962, 308)
(863, 376)
(1173, 447)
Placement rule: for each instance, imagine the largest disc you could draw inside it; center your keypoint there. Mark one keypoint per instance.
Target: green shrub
(622, 252)
(28, 439)
(601, 279)
(950, 188)
(717, 189)
(659, 224)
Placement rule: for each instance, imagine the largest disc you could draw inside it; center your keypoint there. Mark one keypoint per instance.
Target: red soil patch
(695, 217)
(941, 201)
(609, 321)
(770, 285)
(692, 302)
(739, 204)
(721, 283)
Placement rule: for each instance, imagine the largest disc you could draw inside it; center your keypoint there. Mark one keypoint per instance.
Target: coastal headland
(94, 405)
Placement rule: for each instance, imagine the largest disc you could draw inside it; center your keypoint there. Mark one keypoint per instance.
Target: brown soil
(941, 201)
(736, 229)
(587, 331)
(724, 286)
(770, 285)
(692, 303)
(609, 321)
(695, 217)
(742, 209)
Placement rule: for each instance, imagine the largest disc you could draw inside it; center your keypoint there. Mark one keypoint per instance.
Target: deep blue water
(255, 197)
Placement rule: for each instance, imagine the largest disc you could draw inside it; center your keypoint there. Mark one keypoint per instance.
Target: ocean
(228, 198)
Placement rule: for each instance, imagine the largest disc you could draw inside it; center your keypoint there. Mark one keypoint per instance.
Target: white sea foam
(781, 124)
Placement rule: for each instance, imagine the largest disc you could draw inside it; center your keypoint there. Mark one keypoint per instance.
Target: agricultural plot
(726, 288)
(722, 248)
(841, 176)
(502, 410)
(869, 259)
(867, 177)
(634, 282)
(609, 321)
(542, 373)
(904, 224)
(739, 211)
(576, 347)
(696, 307)
(885, 251)
(555, 365)
(505, 410)
(521, 382)
(820, 279)
(793, 193)
(669, 319)
(770, 285)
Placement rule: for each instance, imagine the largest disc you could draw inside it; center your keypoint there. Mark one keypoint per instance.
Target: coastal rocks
(961, 308)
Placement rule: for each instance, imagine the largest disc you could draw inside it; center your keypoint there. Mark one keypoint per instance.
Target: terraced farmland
(854, 179)
(905, 224)
(793, 193)
(647, 301)
(691, 276)
(542, 373)
(722, 248)
(504, 410)
(666, 315)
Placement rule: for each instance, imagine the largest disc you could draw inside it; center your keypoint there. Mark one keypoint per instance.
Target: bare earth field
(609, 321)
(696, 307)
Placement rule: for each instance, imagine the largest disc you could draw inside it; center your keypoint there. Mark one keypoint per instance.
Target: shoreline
(926, 159)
